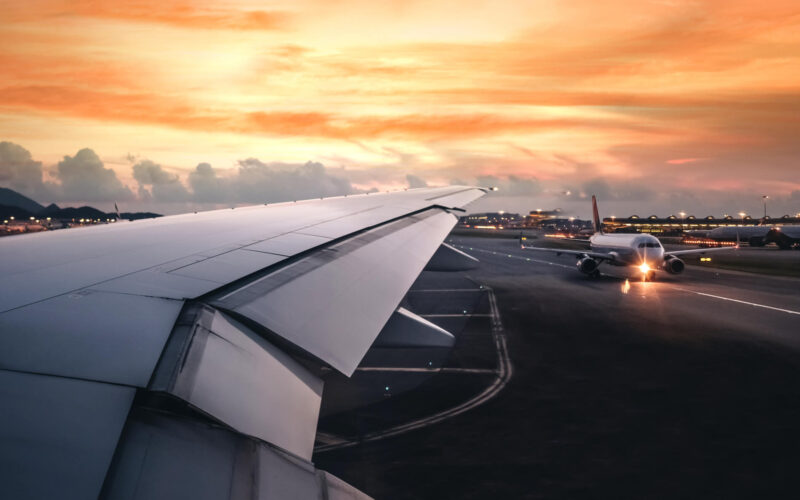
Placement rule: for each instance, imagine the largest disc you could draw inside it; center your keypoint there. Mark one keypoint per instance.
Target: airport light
(765, 198)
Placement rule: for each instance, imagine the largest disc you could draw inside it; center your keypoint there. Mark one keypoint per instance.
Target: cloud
(259, 182)
(178, 14)
(167, 110)
(157, 183)
(207, 187)
(83, 177)
(512, 185)
(617, 190)
(21, 173)
(415, 181)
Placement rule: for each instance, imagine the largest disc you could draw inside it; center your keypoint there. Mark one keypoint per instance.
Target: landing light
(644, 268)
(705, 259)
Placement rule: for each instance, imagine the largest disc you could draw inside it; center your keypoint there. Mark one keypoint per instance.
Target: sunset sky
(656, 106)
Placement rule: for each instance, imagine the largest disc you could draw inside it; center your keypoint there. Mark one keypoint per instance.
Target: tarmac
(564, 386)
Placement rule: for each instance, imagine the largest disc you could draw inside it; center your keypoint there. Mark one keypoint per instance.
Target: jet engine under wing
(215, 324)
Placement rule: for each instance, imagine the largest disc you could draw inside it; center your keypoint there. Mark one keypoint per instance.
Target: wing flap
(223, 368)
(312, 302)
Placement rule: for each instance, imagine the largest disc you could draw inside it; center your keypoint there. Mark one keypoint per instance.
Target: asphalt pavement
(686, 387)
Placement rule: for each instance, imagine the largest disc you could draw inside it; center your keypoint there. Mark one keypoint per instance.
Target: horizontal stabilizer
(406, 329)
(448, 258)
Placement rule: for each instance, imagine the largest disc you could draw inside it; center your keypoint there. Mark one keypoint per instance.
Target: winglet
(598, 226)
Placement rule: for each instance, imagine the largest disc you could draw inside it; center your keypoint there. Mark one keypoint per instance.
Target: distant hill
(79, 213)
(6, 212)
(11, 198)
(13, 204)
(49, 209)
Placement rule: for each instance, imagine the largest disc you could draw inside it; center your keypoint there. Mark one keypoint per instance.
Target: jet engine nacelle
(674, 265)
(587, 265)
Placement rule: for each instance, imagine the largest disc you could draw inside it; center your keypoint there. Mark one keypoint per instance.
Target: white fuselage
(629, 249)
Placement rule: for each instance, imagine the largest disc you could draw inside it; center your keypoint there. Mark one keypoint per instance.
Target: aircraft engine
(587, 265)
(674, 265)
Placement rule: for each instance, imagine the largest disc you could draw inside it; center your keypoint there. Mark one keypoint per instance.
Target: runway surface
(686, 387)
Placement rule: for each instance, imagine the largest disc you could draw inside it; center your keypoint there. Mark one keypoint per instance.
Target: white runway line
(503, 372)
(512, 256)
(788, 311)
(456, 315)
(423, 370)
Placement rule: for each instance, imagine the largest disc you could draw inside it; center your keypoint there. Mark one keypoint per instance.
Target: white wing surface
(218, 322)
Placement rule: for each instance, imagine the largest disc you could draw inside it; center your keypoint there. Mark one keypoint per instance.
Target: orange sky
(665, 95)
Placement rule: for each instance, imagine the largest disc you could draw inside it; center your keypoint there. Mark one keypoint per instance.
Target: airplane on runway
(642, 251)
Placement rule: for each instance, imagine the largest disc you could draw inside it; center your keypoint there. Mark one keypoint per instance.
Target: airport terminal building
(677, 225)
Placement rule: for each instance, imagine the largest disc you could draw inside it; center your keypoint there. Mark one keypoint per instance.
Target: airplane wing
(610, 257)
(698, 251)
(181, 357)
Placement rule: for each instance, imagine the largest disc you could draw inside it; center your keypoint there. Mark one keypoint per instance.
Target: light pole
(765, 198)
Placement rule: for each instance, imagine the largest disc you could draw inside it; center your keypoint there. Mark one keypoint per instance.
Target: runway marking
(424, 370)
(788, 311)
(448, 290)
(503, 372)
(476, 315)
(328, 438)
(519, 257)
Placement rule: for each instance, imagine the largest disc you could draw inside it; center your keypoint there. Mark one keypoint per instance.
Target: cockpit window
(649, 245)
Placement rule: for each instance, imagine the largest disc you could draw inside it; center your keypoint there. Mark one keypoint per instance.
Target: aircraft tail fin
(598, 225)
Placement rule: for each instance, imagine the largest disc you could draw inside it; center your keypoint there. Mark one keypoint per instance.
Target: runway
(684, 387)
